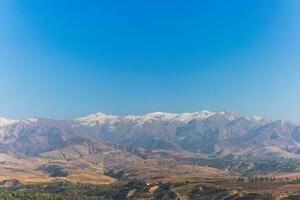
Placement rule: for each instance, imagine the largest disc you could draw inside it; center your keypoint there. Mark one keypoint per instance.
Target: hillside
(103, 148)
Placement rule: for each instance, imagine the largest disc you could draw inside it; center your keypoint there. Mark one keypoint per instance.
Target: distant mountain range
(112, 140)
(213, 133)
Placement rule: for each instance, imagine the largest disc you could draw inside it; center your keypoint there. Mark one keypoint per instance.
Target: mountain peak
(5, 122)
(102, 118)
(159, 115)
(229, 114)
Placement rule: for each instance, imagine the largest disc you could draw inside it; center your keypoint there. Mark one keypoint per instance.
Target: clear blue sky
(65, 59)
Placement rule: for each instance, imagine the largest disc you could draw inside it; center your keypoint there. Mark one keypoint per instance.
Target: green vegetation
(135, 189)
(68, 191)
(54, 170)
(117, 174)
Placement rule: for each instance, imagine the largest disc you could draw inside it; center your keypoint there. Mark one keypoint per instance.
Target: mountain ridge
(98, 116)
(212, 133)
(161, 143)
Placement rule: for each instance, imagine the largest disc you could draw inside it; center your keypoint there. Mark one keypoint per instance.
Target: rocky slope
(210, 133)
(157, 143)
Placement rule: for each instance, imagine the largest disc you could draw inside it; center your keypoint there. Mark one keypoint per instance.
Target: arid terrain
(191, 155)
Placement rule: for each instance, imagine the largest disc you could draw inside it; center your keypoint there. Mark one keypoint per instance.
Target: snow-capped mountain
(154, 141)
(101, 118)
(4, 121)
(152, 130)
(213, 133)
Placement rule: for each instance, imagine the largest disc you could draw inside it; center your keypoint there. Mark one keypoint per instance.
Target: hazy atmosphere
(65, 60)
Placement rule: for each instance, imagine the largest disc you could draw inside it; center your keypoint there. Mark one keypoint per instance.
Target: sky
(65, 59)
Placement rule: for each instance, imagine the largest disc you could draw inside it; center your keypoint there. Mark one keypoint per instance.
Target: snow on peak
(183, 117)
(158, 116)
(201, 115)
(31, 120)
(96, 118)
(101, 118)
(255, 118)
(229, 114)
(5, 122)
